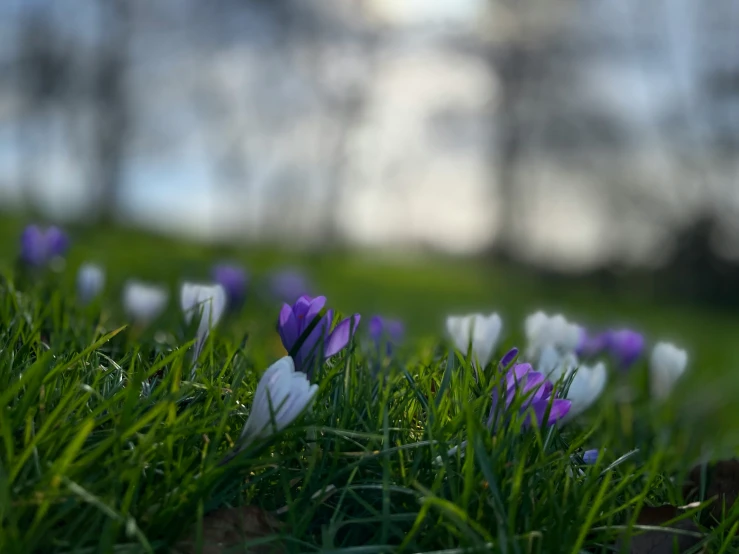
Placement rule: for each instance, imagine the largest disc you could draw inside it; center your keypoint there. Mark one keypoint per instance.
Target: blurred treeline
(624, 110)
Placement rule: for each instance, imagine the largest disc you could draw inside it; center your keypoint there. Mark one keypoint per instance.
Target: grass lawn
(108, 443)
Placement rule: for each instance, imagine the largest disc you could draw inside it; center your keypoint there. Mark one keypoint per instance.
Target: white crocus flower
(667, 364)
(144, 302)
(586, 387)
(282, 395)
(554, 365)
(209, 301)
(555, 331)
(482, 332)
(90, 281)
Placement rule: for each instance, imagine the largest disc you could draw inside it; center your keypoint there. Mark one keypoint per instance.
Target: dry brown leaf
(225, 529)
(723, 485)
(660, 542)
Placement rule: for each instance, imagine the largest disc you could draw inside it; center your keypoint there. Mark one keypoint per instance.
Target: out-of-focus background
(479, 152)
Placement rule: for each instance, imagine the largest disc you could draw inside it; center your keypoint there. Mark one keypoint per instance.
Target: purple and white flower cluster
(547, 386)
(552, 381)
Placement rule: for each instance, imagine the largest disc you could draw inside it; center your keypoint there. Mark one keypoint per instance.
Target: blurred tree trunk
(42, 77)
(511, 65)
(111, 106)
(350, 115)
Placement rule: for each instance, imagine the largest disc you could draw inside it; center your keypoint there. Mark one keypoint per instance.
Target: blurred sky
(376, 121)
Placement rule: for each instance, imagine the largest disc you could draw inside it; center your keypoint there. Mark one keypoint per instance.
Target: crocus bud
(90, 281)
(590, 456)
(667, 364)
(57, 242)
(234, 280)
(207, 301)
(288, 285)
(626, 346)
(389, 332)
(477, 331)
(144, 302)
(508, 358)
(282, 395)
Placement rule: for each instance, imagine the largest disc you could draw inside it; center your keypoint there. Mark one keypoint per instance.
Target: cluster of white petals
(545, 331)
(476, 331)
(556, 365)
(283, 394)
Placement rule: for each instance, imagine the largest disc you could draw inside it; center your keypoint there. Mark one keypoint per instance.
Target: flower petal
(395, 330)
(586, 387)
(288, 327)
(90, 281)
(376, 328)
(341, 335)
(314, 309)
(517, 374)
(537, 383)
(56, 242)
(590, 456)
(189, 300)
(458, 328)
(626, 346)
(269, 380)
(33, 246)
(559, 409)
(233, 279)
(549, 360)
(667, 363)
(270, 390)
(508, 358)
(303, 305)
(312, 344)
(485, 335)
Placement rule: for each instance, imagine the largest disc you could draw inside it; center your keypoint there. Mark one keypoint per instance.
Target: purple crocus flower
(296, 319)
(590, 456)
(39, 246)
(536, 390)
(57, 242)
(592, 344)
(288, 285)
(33, 246)
(388, 331)
(234, 280)
(626, 346)
(508, 358)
